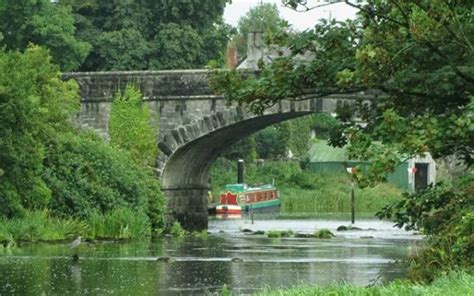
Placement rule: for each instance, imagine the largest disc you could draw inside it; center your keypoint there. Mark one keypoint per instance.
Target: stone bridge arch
(195, 126)
(185, 175)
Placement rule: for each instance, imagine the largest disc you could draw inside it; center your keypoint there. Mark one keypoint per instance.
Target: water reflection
(245, 263)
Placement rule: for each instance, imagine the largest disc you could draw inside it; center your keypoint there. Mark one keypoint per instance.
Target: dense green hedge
(85, 174)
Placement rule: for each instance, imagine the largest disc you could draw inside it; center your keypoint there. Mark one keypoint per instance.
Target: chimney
(254, 49)
(231, 56)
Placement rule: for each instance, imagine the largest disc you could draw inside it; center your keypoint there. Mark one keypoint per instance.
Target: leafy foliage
(177, 230)
(42, 23)
(34, 104)
(48, 165)
(273, 142)
(176, 47)
(87, 175)
(130, 129)
(263, 18)
(445, 214)
(323, 124)
(404, 49)
(245, 149)
(147, 34)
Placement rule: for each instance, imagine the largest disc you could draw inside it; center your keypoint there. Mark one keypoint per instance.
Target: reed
(40, 226)
(121, 223)
(333, 196)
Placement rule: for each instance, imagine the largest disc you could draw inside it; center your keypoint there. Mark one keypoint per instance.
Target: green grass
(455, 283)
(279, 233)
(40, 226)
(36, 226)
(306, 192)
(177, 230)
(323, 233)
(122, 223)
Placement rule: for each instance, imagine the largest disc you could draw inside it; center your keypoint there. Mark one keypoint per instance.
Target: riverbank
(455, 283)
(40, 226)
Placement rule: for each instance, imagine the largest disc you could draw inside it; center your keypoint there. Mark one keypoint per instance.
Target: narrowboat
(241, 198)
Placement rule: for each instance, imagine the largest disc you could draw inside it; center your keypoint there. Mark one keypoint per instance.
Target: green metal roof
(320, 151)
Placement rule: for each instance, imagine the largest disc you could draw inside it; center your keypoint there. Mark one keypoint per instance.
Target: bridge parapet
(154, 85)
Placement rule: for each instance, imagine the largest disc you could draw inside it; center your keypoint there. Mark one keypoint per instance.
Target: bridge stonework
(195, 126)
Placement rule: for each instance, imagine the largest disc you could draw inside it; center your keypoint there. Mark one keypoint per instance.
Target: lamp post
(351, 171)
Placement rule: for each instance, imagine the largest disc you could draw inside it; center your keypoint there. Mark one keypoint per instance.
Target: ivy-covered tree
(130, 127)
(300, 135)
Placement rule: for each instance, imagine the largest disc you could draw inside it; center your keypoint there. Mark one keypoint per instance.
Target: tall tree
(44, 23)
(146, 34)
(34, 105)
(263, 18)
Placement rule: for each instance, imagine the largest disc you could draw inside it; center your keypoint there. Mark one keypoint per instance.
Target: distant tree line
(93, 35)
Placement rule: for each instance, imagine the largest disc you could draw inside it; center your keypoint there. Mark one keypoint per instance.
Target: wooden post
(352, 171)
(240, 171)
(251, 213)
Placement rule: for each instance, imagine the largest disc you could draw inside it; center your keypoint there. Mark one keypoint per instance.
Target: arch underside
(186, 174)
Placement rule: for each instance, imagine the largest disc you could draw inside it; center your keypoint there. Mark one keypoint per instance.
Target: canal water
(243, 262)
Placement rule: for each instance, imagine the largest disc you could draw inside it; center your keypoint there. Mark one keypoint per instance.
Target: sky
(299, 20)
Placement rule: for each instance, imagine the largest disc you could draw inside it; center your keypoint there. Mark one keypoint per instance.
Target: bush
(445, 214)
(130, 128)
(35, 104)
(177, 230)
(87, 176)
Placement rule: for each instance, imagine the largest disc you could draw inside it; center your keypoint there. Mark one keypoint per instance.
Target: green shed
(326, 159)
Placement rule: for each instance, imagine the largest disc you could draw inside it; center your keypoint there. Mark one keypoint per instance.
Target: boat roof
(244, 187)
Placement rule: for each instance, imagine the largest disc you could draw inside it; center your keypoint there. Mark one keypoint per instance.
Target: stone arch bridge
(195, 126)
